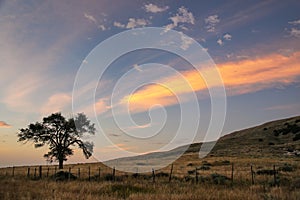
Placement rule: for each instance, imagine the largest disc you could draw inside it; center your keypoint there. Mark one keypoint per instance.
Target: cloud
(119, 25)
(185, 41)
(90, 18)
(227, 36)
(56, 103)
(296, 22)
(137, 67)
(102, 106)
(133, 23)
(211, 22)
(182, 16)
(295, 32)
(290, 107)
(239, 77)
(154, 8)
(220, 42)
(4, 125)
(102, 27)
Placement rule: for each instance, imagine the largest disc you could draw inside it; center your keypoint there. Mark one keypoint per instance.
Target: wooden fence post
(48, 172)
(196, 173)
(28, 172)
(78, 173)
(35, 172)
(153, 175)
(252, 176)
(40, 171)
(170, 176)
(99, 172)
(89, 173)
(69, 175)
(274, 171)
(232, 170)
(114, 174)
(13, 171)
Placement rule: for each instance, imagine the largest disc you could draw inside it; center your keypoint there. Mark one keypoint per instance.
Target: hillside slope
(276, 139)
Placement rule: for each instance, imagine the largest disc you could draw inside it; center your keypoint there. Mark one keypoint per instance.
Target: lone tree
(60, 134)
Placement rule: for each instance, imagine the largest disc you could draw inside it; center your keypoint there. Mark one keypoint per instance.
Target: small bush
(271, 143)
(260, 140)
(286, 168)
(63, 176)
(204, 167)
(192, 171)
(162, 174)
(266, 172)
(220, 163)
(265, 129)
(218, 178)
(276, 133)
(297, 137)
(190, 164)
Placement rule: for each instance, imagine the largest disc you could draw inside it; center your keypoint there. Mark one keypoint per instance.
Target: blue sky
(254, 44)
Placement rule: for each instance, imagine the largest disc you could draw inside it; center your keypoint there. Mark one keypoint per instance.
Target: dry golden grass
(128, 187)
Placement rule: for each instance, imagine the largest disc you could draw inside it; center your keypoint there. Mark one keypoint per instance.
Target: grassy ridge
(262, 147)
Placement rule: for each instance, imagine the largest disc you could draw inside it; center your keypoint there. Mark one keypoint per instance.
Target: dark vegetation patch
(63, 176)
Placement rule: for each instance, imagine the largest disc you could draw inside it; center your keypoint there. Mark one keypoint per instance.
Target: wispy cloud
(119, 25)
(133, 23)
(220, 42)
(137, 67)
(154, 8)
(182, 16)
(296, 22)
(90, 18)
(3, 124)
(211, 22)
(56, 103)
(295, 32)
(227, 36)
(240, 77)
(284, 107)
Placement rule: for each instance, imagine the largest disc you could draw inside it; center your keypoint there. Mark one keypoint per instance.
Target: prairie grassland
(182, 186)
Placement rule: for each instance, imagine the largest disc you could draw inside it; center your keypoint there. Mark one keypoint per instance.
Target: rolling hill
(276, 139)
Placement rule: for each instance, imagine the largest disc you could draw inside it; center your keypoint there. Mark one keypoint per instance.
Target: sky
(254, 45)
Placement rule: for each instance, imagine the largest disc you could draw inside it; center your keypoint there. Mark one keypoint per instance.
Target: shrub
(63, 176)
(276, 133)
(286, 168)
(271, 143)
(297, 137)
(218, 178)
(190, 164)
(204, 167)
(266, 172)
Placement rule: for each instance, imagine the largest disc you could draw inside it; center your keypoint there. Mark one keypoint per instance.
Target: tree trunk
(61, 163)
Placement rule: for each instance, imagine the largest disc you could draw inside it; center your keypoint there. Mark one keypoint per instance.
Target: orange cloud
(266, 72)
(56, 103)
(4, 125)
(239, 77)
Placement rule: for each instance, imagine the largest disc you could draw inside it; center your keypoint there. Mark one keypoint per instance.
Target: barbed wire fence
(219, 174)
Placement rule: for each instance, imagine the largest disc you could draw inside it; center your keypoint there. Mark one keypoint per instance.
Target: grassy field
(214, 181)
(224, 174)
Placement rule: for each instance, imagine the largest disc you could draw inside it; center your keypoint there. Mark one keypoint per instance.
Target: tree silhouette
(60, 134)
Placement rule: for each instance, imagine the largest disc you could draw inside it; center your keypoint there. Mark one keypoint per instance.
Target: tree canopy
(60, 134)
